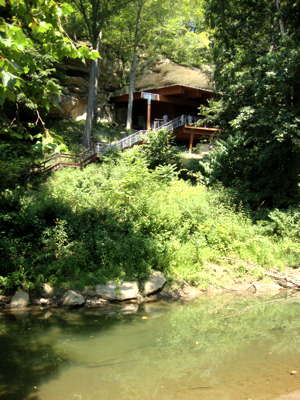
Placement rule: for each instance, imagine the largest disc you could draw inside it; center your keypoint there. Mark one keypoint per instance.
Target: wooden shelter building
(153, 107)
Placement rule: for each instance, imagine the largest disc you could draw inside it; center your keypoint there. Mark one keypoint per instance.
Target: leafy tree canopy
(32, 41)
(257, 58)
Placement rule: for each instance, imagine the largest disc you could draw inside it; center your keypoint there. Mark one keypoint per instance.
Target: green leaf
(18, 37)
(2, 3)
(66, 9)
(42, 27)
(85, 52)
(94, 54)
(17, 135)
(8, 78)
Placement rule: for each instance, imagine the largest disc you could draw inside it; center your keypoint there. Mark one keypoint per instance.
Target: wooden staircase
(57, 161)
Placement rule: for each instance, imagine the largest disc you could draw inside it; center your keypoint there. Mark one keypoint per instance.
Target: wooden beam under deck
(161, 98)
(191, 133)
(197, 130)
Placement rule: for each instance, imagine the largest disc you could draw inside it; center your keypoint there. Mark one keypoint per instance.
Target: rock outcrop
(168, 73)
(74, 78)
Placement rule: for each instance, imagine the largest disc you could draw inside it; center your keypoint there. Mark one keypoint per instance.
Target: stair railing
(82, 159)
(137, 137)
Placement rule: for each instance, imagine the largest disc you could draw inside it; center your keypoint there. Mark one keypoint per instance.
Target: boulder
(72, 298)
(44, 301)
(48, 290)
(154, 283)
(20, 299)
(170, 293)
(114, 291)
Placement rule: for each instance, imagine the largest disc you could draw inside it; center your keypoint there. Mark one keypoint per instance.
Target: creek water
(228, 348)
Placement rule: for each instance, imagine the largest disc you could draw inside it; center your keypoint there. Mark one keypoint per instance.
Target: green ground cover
(120, 219)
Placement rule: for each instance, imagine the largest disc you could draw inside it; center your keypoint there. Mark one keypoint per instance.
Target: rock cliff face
(74, 77)
(168, 73)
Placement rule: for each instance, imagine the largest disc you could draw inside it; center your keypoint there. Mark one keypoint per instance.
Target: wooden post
(149, 114)
(191, 142)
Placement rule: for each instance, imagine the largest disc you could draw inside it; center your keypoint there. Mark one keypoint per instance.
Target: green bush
(283, 223)
(15, 161)
(231, 163)
(120, 219)
(159, 149)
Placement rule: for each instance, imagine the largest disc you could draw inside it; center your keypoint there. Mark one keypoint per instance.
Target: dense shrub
(15, 160)
(257, 69)
(159, 149)
(120, 219)
(270, 181)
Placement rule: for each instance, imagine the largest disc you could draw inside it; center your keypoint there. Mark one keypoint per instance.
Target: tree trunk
(281, 24)
(132, 78)
(134, 61)
(92, 97)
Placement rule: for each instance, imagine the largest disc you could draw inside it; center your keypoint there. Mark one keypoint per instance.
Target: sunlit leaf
(7, 78)
(66, 9)
(43, 27)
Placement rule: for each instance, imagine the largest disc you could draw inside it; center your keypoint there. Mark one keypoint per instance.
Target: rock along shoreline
(155, 288)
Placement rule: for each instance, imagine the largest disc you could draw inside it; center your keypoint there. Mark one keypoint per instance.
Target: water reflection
(227, 348)
(25, 362)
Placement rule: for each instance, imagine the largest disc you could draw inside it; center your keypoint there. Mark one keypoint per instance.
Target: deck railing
(137, 137)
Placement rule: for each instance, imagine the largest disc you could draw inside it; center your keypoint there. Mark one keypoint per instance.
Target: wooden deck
(190, 134)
